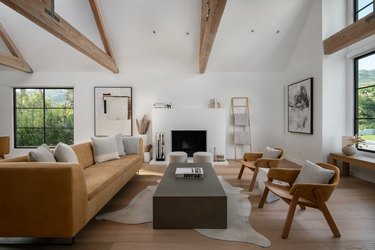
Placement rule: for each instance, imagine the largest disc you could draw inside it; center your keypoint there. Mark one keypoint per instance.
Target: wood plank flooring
(352, 206)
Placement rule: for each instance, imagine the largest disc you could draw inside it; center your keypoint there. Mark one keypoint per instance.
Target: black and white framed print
(300, 107)
(113, 111)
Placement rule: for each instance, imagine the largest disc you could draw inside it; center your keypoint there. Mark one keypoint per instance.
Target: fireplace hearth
(189, 141)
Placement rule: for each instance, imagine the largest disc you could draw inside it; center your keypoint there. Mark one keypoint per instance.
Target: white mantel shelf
(211, 120)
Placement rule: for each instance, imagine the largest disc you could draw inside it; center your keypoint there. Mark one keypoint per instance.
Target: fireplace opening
(189, 141)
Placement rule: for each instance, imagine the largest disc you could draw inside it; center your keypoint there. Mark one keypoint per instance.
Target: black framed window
(362, 8)
(364, 96)
(43, 115)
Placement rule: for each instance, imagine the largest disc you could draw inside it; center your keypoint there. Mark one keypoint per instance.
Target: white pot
(349, 150)
(146, 157)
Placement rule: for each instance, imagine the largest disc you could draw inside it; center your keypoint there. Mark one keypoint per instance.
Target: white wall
(190, 90)
(336, 101)
(306, 62)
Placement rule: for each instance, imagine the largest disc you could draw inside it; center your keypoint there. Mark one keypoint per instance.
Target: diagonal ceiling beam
(212, 11)
(353, 33)
(35, 11)
(101, 27)
(16, 61)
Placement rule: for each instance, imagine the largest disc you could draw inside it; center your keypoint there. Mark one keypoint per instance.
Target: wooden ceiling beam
(351, 34)
(16, 61)
(101, 27)
(35, 12)
(212, 11)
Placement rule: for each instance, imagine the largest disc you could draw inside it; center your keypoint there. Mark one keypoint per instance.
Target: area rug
(139, 210)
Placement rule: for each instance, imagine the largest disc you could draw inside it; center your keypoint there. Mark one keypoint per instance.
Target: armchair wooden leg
(255, 175)
(289, 217)
(241, 172)
(264, 197)
(327, 215)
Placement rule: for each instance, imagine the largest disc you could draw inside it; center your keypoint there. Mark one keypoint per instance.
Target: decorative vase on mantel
(349, 150)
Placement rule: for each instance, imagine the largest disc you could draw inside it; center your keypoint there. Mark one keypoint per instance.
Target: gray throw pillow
(105, 148)
(271, 153)
(313, 173)
(41, 154)
(120, 145)
(131, 144)
(64, 153)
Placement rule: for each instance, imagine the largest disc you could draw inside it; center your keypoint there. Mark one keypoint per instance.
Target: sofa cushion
(84, 154)
(64, 153)
(120, 145)
(41, 154)
(100, 175)
(313, 173)
(105, 148)
(131, 144)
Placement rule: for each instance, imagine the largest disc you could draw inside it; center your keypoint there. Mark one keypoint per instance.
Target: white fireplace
(210, 120)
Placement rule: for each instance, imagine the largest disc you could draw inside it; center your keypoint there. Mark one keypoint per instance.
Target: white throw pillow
(271, 153)
(105, 148)
(41, 154)
(313, 173)
(120, 145)
(64, 153)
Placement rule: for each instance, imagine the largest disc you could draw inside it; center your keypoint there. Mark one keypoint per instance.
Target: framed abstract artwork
(113, 111)
(300, 107)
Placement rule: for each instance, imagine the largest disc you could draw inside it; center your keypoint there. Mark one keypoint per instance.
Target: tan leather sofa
(58, 199)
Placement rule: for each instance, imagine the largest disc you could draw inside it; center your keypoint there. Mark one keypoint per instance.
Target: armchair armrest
(267, 162)
(307, 190)
(252, 156)
(42, 199)
(283, 174)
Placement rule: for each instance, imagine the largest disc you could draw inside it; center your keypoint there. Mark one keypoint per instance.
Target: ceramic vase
(349, 150)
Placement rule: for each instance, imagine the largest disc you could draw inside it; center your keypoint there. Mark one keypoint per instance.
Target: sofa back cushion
(41, 154)
(64, 153)
(105, 148)
(84, 154)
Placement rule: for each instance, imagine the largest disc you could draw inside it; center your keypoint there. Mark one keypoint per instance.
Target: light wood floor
(352, 206)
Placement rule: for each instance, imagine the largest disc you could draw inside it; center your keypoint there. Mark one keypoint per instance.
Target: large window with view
(364, 115)
(362, 8)
(43, 115)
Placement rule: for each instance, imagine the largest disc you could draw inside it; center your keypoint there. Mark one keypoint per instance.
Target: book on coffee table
(189, 173)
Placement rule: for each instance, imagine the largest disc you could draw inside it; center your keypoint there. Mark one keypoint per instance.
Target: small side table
(262, 177)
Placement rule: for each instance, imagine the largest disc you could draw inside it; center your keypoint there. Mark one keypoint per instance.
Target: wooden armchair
(304, 195)
(254, 161)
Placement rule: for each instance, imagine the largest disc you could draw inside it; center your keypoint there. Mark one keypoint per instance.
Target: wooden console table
(358, 160)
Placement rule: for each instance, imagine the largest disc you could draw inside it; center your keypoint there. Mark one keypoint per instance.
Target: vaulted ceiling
(164, 35)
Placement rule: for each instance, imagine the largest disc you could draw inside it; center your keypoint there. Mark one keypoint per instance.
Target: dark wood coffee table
(190, 203)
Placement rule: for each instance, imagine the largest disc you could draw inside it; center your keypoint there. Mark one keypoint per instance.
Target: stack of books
(189, 173)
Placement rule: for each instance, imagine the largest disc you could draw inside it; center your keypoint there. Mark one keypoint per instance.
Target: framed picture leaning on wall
(300, 107)
(113, 111)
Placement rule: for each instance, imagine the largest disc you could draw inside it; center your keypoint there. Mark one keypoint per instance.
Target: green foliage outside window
(365, 100)
(43, 116)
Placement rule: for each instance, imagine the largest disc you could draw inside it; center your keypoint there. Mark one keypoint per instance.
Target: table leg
(345, 168)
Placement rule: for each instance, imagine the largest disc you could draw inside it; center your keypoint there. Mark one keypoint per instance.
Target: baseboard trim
(362, 176)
